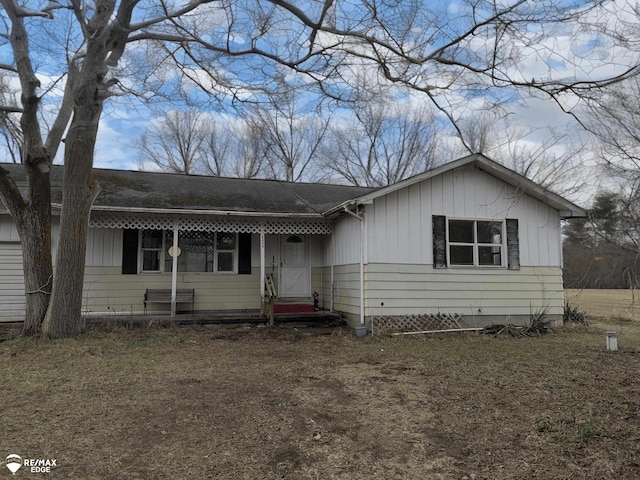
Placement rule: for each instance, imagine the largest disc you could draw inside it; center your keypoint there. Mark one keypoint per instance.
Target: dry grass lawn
(258, 403)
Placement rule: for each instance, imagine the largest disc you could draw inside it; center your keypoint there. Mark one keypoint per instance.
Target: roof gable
(566, 208)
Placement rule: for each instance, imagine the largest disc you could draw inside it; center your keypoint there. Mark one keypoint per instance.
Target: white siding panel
(12, 301)
(415, 242)
(346, 238)
(8, 231)
(346, 290)
(399, 225)
(417, 289)
(104, 247)
(106, 290)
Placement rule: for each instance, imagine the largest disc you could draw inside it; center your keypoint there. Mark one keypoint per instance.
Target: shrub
(572, 314)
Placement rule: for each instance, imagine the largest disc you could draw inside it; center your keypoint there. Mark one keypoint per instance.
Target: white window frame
(141, 251)
(475, 244)
(234, 252)
(163, 254)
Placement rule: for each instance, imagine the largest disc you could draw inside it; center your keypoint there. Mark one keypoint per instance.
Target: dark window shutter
(513, 244)
(244, 254)
(439, 241)
(129, 251)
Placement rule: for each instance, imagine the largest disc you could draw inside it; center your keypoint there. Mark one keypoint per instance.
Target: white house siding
(11, 276)
(346, 291)
(12, 301)
(398, 253)
(420, 289)
(343, 247)
(399, 228)
(107, 290)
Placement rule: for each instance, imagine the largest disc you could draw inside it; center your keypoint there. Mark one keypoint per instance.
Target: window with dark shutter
(513, 244)
(129, 251)
(244, 254)
(439, 241)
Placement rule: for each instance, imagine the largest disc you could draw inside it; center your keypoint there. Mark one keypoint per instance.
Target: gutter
(361, 218)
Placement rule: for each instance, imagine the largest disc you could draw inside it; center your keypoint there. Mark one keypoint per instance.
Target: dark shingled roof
(167, 191)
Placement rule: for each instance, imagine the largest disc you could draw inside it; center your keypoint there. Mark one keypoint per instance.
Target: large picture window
(198, 251)
(475, 243)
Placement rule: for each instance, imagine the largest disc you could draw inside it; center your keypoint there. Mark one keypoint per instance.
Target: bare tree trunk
(33, 222)
(64, 317)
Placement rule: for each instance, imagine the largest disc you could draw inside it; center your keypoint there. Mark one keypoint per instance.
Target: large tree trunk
(35, 234)
(32, 217)
(64, 317)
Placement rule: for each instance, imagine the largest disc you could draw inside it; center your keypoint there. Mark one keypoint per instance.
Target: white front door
(295, 275)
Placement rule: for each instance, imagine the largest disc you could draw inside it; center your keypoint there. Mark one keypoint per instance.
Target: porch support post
(174, 270)
(262, 267)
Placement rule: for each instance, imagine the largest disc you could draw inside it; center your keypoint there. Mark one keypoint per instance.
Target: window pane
(197, 252)
(490, 255)
(225, 261)
(152, 239)
(460, 255)
(226, 241)
(151, 261)
(489, 232)
(461, 231)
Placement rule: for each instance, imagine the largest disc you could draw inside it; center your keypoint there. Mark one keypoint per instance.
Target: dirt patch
(183, 403)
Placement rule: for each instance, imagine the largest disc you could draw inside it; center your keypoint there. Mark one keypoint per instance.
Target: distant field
(611, 304)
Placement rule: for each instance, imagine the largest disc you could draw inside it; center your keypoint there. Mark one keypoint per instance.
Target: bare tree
(228, 49)
(175, 142)
(552, 157)
(10, 131)
(381, 143)
(191, 142)
(290, 134)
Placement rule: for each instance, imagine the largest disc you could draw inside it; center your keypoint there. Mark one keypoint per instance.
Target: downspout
(361, 218)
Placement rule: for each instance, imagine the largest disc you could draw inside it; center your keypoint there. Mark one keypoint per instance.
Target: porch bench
(155, 295)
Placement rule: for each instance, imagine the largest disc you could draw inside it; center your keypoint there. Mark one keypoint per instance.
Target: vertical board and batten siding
(342, 252)
(399, 251)
(343, 248)
(399, 228)
(12, 301)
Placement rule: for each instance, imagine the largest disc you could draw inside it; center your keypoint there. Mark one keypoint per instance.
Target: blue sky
(125, 118)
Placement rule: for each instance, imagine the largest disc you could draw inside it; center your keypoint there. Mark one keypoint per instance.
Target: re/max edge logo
(35, 465)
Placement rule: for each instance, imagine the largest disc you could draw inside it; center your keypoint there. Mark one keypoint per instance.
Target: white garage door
(11, 282)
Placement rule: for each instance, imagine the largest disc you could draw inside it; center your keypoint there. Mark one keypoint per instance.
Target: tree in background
(382, 143)
(176, 142)
(553, 160)
(291, 133)
(603, 250)
(230, 51)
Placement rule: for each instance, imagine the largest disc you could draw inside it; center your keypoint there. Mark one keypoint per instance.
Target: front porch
(316, 319)
(222, 261)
